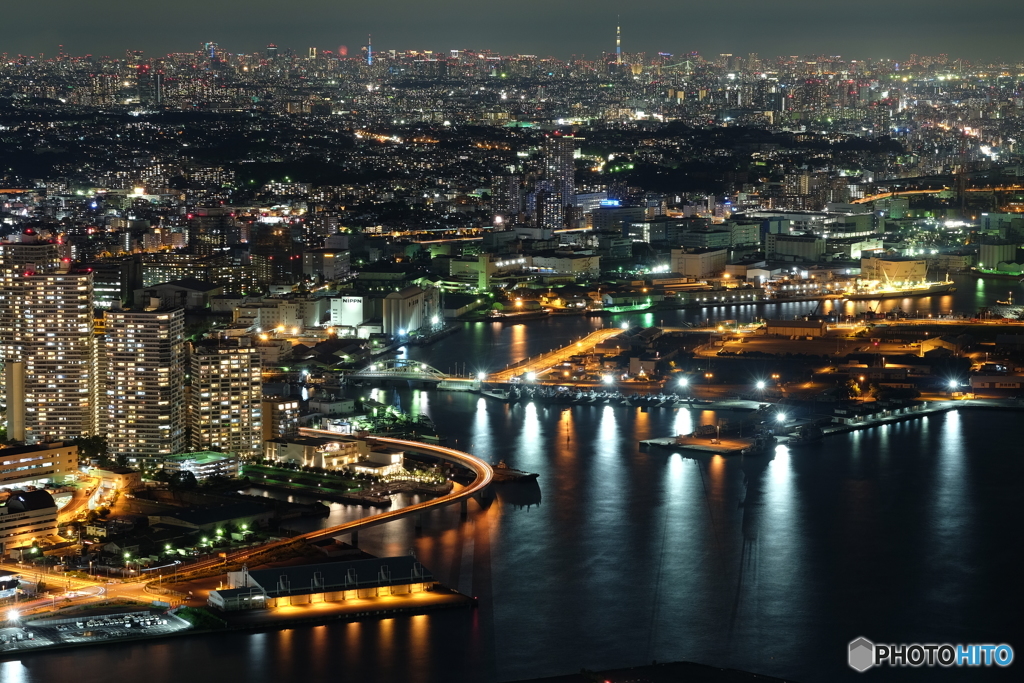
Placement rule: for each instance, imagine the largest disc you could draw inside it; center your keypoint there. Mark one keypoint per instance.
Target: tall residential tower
(47, 343)
(145, 402)
(226, 395)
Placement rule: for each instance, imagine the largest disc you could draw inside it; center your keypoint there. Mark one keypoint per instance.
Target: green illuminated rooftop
(201, 457)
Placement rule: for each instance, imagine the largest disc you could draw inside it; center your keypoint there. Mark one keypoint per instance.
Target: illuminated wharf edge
(483, 472)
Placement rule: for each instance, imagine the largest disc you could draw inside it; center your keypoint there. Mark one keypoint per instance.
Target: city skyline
(534, 339)
(878, 31)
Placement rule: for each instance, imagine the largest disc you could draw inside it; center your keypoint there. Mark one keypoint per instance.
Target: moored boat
(502, 472)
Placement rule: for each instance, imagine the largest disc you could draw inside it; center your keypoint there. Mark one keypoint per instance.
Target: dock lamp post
(760, 385)
(953, 384)
(684, 382)
(780, 418)
(607, 379)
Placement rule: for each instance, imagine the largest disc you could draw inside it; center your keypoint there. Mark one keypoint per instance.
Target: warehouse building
(797, 328)
(327, 582)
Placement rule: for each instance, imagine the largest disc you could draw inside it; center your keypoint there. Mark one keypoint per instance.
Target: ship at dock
(894, 292)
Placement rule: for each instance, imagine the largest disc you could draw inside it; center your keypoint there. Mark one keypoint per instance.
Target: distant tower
(369, 50)
(618, 44)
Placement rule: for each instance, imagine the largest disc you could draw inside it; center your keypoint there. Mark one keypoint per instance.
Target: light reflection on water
(617, 556)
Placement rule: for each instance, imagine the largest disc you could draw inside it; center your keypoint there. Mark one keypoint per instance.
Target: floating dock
(726, 446)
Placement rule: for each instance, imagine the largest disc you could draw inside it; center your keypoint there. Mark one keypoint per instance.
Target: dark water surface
(616, 557)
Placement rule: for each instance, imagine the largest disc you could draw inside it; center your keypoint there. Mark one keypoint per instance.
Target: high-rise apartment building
(560, 174)
(144, 394)
(506, 200)
(225, 398)
(209, 230)
(47, 344)
(274, 255)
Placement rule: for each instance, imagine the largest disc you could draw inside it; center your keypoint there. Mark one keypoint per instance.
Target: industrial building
(327, 582)
(699, 263)
(894, 270)
(796, 328)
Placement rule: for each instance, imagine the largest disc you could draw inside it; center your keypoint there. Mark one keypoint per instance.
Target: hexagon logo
(862, 654)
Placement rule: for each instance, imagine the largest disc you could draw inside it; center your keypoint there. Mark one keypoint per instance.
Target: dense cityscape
(454, 365)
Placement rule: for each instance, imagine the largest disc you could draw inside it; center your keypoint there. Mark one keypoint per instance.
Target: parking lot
(89, 629)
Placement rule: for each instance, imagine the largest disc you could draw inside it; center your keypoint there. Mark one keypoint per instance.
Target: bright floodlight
(481, 375)
(12, 615)
(953, 384)
(607, 379)
(760, 384)
(530, 376)
(401, 332)
(434, 320)
(781, 417)
(684, 382)
(624, 326)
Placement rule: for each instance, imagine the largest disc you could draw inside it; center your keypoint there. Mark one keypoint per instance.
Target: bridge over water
(483, 474)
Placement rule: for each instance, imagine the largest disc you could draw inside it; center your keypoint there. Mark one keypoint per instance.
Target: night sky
(977, 29)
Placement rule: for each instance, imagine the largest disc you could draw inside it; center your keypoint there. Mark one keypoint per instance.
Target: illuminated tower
(618, 44)
(369, 50)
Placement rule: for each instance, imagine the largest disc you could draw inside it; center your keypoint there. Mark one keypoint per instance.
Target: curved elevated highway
(483, 472)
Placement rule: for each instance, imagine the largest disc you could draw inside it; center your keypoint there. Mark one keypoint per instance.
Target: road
(136, 589)
(546, 361)
(483, 472)
(79, 501)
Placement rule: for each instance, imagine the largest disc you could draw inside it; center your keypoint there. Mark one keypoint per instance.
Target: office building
(208, 230)
(145, 403)
(38, 464)
(326, 264)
